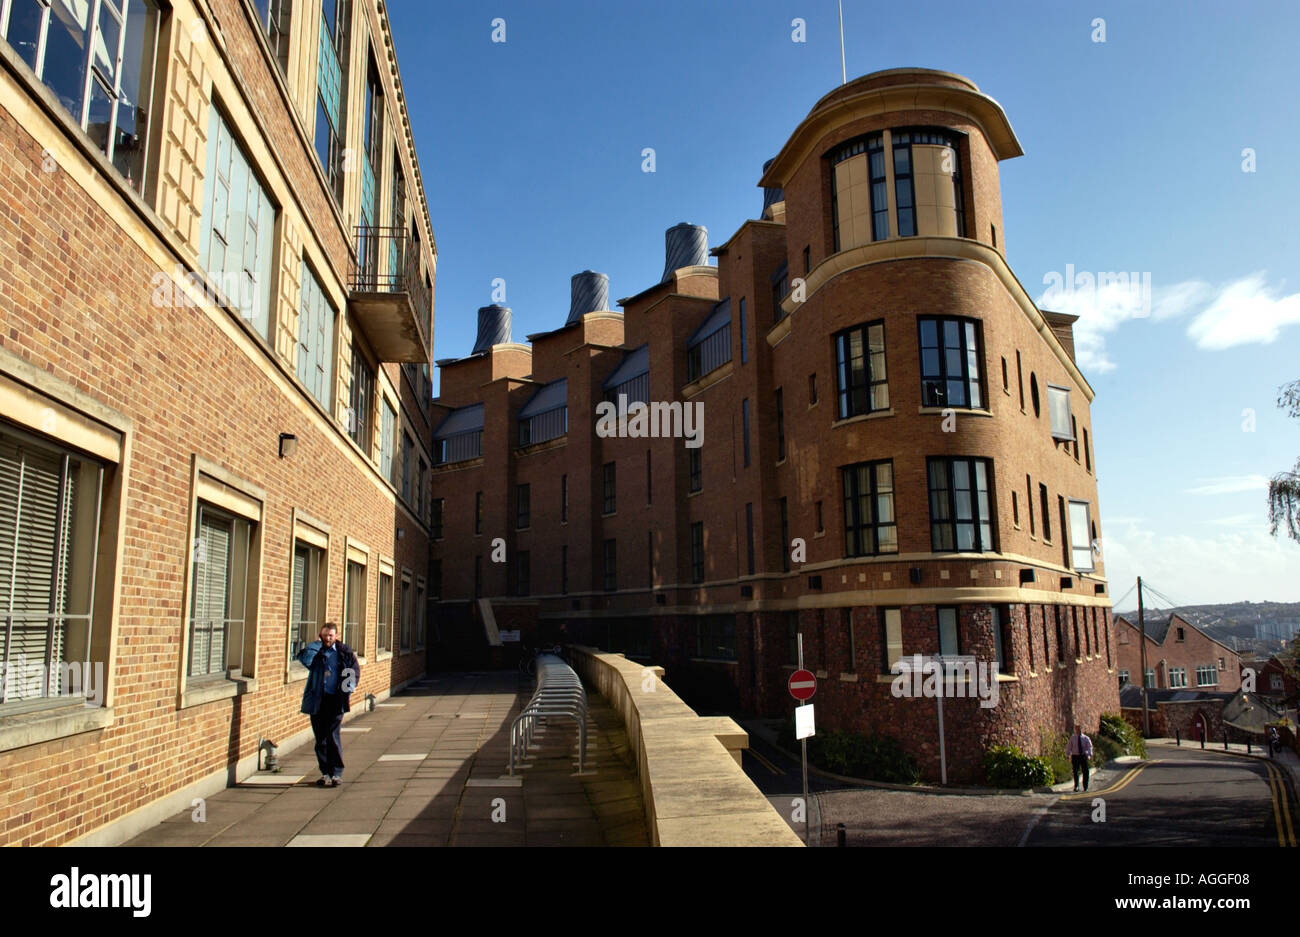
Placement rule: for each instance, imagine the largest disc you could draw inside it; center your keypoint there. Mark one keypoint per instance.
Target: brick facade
(194, 397)
(1175, 645)
(721, 627)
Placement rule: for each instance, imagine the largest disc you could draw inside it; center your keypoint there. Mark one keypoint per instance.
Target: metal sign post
(943, 757)
(803, 752)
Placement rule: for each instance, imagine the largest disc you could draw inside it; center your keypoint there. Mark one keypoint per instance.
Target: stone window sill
(876, 415)
(59, 719)
(848, 678)
(383, 655)
(198, 692)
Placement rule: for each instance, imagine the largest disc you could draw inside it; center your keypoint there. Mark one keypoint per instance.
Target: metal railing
(389, 262)
(559, 693)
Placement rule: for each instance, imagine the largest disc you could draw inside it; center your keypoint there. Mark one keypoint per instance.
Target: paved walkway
(428, 768)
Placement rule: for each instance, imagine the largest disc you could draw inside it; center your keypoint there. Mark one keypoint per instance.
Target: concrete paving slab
(331, 839)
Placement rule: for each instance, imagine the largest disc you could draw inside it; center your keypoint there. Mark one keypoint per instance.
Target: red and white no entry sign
(803, 684)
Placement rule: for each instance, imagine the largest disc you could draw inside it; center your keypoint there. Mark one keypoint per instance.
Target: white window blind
(1080, 536)
(1058, 408)
(49, 507)
(208, 632)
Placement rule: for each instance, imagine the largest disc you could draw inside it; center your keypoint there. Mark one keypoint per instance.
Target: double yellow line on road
(765, 762)
(1277, 787)
(1119, 785)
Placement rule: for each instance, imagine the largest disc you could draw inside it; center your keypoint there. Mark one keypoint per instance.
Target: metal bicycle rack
(559, 693)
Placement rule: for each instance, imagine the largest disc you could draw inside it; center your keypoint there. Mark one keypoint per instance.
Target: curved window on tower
(859, 192)
(928, 196)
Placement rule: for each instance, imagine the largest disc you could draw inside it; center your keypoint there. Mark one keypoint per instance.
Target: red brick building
(1179, 656)
(896, 451)
(215, 344)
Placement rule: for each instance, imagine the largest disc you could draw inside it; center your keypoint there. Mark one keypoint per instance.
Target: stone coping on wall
(694, 789)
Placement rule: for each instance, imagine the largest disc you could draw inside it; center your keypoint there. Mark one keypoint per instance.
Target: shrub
(1052, 747)
(1008, 766)
(1118, 729)
(1104, 749)
(870, 757)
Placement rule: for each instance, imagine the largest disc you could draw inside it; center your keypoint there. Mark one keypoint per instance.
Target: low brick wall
(695, 791)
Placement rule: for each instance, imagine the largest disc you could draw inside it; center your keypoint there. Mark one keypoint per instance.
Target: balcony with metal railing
(389, 296)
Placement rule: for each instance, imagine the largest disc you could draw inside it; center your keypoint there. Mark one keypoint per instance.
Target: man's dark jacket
(349, 675)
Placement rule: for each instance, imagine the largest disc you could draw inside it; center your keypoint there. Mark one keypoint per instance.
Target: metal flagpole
(843, 74)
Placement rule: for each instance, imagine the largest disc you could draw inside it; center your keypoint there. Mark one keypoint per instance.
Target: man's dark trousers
(1077, 763)
(325, 723)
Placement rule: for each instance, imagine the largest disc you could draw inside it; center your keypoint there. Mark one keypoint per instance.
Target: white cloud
(1244, 311)
(1236, 520)
(1228, 566)
(1229, 484)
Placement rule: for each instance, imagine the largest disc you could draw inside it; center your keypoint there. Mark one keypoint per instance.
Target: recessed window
(404, 614)
(49, 507)
(237, 237)
(307, 595)
(361, 399)
(275, 16)
(1087, 453)
(1033, 392)
(949, 633)
(523, 573)
(780, 425)
(709, 348)
(316, 319)
(354, 607)
(697, 552)
(860, 380)
(715, 637)
(437, 508)
(744, 422)
(931, 158)
(1006, 385)
(1080, 543)
(891, 638)
(607, 483)
(478, 512)
(749, 538)
(522, 506)
(384, 636)
(564, 499)
(950, 363)
(1015, 509)
(610, 555)
(870, 527)
(812, 389)
(960, 514)
(387, 436)
(331, 102)
(1047, 517)
(1020, 382)
(783, 506)
(695, 469)
(99, 63)
(744, 334)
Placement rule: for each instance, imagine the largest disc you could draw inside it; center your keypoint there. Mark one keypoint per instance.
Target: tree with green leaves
(1284, 487)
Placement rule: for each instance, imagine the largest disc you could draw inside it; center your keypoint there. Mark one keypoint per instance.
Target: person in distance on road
(1080, 751)
(332, 675)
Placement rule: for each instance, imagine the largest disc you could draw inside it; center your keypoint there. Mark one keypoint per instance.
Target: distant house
(1278, 682)
(1179, 656)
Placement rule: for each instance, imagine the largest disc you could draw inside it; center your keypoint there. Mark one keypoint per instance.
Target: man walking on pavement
(332, 675)
(1080, 751)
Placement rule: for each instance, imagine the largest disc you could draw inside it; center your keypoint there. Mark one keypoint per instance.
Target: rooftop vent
(771, 196)
(588, 292)
(685, 245)
(493, 327)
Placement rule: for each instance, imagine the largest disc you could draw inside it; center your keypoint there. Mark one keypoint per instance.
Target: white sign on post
(803, 721)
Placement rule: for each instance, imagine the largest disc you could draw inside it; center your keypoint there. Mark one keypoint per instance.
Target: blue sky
(531, 156)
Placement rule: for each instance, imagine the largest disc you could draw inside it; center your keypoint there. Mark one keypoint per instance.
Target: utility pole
(1142, 638)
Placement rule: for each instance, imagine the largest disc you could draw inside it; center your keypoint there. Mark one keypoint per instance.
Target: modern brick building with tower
(896, 453)
(216, 310)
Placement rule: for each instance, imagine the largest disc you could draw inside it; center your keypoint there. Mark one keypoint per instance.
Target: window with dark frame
(785, 535)
(610, 566)
(744, 422)
(807, 259)
(902, 141)
(961, 517)
(564, 498)
(360, 403)
(1046, 515)
(695, 464)
(436, 519)
(951, 352)
(608, 488)
(874, 149)
(870, 527)
(861, 383)
(523, 573)
(780, 425)
(522, 505)
(697, 552)
(564, 569)
(478, 512)
(744, 334)
(384, 636)
(331, 101)
(749, 537)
